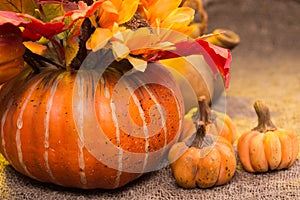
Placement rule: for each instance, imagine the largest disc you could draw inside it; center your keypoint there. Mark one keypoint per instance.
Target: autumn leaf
(55, 8)
(67, 5)
(219, 59)
(51, 11)
(72, 45)
(34, 29)
(83, 11)
(35, 47)
(19, 6)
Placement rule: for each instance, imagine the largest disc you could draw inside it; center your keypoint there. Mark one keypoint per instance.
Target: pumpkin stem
(204, 110)
(264, 118)
(200, 135)
(86, 31)
(201, 121)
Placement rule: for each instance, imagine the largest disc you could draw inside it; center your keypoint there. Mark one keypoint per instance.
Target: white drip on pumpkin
(46, 124)
(162, 115)
(3, 120)
(19, 127)
(120, 154)
(80, 117)
(145, 127)
(106, 91)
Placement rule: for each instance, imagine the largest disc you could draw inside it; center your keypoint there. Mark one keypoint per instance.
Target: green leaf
(52, 11)
(19, 6)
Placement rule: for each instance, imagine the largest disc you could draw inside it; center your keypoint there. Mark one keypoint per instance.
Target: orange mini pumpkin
(265, 147)
(219, 124)
(202, 160)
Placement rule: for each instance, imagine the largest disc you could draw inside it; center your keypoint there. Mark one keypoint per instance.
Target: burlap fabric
(266, 66)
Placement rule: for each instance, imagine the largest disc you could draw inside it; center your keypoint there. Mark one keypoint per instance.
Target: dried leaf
(120, 50)
(138, 64)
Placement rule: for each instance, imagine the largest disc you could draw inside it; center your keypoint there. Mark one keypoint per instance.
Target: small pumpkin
(85, 129)
(202, 160)
(224, 38)
(11, 52)
(266, 147)
(219, 124)
(194, 77)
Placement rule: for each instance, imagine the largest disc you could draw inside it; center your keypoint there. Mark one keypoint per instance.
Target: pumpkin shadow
(23, 186)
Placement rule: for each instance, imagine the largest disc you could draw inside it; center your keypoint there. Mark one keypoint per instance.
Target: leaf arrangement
(137, 30)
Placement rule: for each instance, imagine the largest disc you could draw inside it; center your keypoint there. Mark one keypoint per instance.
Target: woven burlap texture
(265, 66)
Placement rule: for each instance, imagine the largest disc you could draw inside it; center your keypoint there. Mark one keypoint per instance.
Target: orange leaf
(99, 39)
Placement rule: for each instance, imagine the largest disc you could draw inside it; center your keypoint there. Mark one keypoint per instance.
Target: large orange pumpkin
(87, 130)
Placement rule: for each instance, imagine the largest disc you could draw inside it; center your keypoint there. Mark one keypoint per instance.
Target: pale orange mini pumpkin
(202, 160)
(219, 124)
(265, 147)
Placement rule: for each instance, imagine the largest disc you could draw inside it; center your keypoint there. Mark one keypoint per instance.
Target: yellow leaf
(138, 64)
(117, 3)
(120, 50)
(108, 15)
(71, 50)
(99, 39)
(35, 47)
(141, 38)
(169, 35)
(183, 16)
(162, 8)
(72, 45)
(148, 3)
(108, 6)
(128, 9)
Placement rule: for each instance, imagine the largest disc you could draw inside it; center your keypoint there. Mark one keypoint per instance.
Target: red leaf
(10, 17)
(47, 30)
(219, 59)
(83, 11)
(34, 29)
